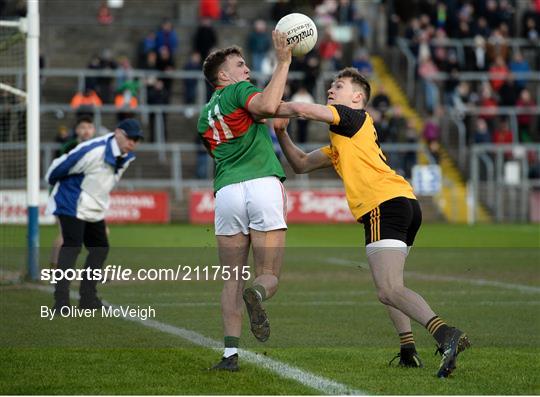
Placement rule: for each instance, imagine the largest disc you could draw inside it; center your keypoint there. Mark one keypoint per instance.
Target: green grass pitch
(325, 318)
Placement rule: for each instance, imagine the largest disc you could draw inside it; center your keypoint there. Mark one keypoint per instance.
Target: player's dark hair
(356, 78)
(84, 119)
(215, 59)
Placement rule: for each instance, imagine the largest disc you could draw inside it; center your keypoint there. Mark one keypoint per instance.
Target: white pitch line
(306, 378)
(473, 281)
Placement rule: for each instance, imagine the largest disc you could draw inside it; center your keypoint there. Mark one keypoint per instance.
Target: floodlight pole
(32, 140)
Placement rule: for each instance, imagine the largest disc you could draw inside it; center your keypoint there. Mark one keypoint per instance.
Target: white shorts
(259, 204)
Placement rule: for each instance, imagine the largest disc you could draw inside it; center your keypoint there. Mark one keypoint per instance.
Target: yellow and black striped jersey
(358, 159)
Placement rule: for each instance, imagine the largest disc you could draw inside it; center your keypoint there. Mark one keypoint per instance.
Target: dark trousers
(75, 232)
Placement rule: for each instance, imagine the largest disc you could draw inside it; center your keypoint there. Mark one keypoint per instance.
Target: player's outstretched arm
(300, 161)
(266, 103)
(309, 111)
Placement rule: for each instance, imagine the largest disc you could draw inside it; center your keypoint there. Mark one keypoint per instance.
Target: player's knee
(385, 295)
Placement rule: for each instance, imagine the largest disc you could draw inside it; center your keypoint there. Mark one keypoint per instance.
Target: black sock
(437, 328)
(406, 342)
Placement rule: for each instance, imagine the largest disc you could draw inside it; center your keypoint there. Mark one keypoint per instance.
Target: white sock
(230, 351)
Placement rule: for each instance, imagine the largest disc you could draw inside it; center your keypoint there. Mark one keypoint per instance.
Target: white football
(300, 29)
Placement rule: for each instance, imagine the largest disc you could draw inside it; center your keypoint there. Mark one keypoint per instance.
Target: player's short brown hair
(215, 59)
(356, 78)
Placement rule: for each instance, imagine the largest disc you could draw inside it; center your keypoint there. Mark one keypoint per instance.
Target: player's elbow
(300, 166)
(267, 109)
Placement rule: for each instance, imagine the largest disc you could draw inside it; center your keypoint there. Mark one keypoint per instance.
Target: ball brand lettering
(300, 36)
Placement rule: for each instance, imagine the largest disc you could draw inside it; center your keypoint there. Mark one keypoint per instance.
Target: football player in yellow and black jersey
(380, 199)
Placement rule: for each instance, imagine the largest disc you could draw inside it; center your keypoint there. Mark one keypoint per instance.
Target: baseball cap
(132, 128)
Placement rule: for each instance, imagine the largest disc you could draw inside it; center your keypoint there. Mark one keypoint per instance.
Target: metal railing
(456, 116)
(172, 156)
(500, 178)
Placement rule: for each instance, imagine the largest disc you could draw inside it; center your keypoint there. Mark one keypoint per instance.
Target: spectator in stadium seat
(531, 30)
(310, 65)
(302, 125)
(124, 73)
(509, 92)
(190, 84)
(104, 85)
(397, 123)
(361, 61)
(279, 9)
(503, 133)
(464, 30)
(165, 63)
(498, 73)
(125, 102)
(427, 71)
(91, 82)
(166, 36)
(463, 96)
(488, 106)
(84, 103)
(383, 201)
(497, 44)
(146, 46)
(345, 12)
(481, 132)
(61, 137)
(327, 49)
(205, 38)
(525, 121)
(520, 65)
(423, 50)
(150, 61)
(104, 16)
(381, 100)
(482, 29)
(157, 95)
(492, 13)
(83, 180)
(229, 13)
(412, 31)
(480, 63)
(506, 14)
(258, 44)
(325, 13)
(450, 85)
(410, 156)
(210, 9)
(432, 130)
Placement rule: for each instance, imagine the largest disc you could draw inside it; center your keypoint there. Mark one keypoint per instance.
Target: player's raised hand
(280, 125)
(283, 50)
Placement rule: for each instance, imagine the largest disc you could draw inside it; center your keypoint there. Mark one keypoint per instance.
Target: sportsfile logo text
(121, 273)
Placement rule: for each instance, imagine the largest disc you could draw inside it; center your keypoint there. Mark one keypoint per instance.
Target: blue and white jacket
(84, 178)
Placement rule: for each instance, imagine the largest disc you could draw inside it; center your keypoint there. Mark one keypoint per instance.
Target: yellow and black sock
(437, 328)
(406, 342)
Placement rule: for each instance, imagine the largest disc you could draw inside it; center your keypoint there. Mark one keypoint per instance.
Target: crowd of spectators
(489, 26)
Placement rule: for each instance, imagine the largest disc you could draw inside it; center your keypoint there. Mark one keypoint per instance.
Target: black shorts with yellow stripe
(398, 218)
